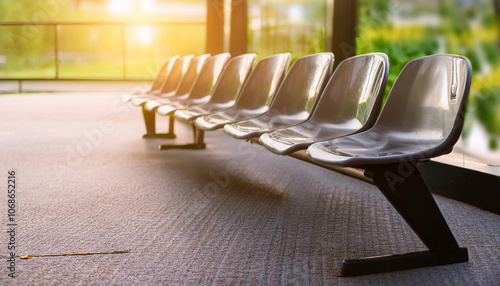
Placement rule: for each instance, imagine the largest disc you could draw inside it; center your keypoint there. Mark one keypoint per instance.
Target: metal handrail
(56, 25)
(98, 23)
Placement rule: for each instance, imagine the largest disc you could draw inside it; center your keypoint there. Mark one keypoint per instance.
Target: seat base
(160, 135)
(150, 122)
(191, 146)
(198, 142)
(389, 263)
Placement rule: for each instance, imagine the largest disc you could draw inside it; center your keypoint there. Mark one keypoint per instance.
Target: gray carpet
(233, 214)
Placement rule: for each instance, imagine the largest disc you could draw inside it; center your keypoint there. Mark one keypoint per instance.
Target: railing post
(124, 52)
(56, 49)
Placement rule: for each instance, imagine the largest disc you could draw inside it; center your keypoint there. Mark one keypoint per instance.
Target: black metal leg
(171, 121)
(403, 186)
(150, 121)
(198, 141)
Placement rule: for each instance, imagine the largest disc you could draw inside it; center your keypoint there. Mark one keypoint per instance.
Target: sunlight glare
(120, 6)
(295, 13)
(144, 34)
(147, 5)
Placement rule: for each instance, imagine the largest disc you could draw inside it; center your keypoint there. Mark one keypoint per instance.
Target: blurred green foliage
(406, 30)
(295, 26)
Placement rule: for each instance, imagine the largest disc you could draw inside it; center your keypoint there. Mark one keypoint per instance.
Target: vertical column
(343, 37)
(215, 26)
(238, 35)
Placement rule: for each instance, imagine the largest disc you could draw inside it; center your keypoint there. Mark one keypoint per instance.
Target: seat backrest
(354, 94)
(427, 102)
(302, 85)
(263, 82)
(208, 76)
(191, 74)
(173, 79)
(232, 78)
(164, 72)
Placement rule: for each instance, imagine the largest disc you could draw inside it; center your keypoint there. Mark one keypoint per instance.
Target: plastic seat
(422, 118)
(157, 83)
(254, 97)
(171, 82)
(199, 93)
(294, 101)
(202, 88)
(225, 92)
(349, 104)
(181, 90)
(223, 97)
(178, 88)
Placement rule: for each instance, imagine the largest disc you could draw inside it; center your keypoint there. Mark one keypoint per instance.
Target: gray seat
(422, 118)
(349, 104)
(199, 93)
(170, 84)
(157, 83)
(294, 101)
(254, 97)
(225, 92)
(223, 97)
(202, 88)
(182, 89)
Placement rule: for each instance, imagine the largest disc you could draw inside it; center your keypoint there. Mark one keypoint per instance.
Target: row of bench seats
(331, 120)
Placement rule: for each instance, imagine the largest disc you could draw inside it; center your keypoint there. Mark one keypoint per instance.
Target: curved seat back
(354, 94)
(427, 103)
(179, 68)
(190, 76)
(255, 95)
(225, 91)
(263, 82)
(163, 74)
(232, 79)
(299, 91)
(207, 77)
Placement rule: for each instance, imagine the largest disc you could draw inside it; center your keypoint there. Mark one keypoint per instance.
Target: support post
(150, 122)
(215, 26)
(341, 36)
(238, 35)
(403, 186)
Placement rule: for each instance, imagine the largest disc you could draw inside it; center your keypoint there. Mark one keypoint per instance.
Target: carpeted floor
(233, 214)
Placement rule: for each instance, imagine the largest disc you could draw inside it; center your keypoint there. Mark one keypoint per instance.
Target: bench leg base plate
(389, 263)
(183, 146)
(160, 135)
